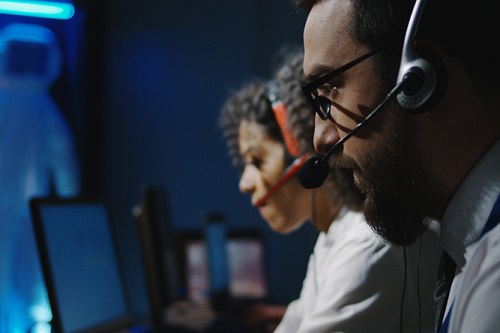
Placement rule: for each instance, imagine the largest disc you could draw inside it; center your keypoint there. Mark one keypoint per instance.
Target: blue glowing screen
(84, 266)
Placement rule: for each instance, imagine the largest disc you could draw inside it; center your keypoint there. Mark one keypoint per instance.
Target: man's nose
(326, 135)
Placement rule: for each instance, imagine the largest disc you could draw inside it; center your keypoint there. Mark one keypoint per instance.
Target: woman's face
(264, 159)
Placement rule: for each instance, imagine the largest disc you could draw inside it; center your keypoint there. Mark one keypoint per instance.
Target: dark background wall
(157, 73)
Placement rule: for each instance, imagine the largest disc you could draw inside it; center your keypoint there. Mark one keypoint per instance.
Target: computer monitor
(230, 276)
(159, 261)
(80, 264)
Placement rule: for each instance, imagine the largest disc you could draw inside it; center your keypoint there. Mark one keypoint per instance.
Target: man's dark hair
(465, 30)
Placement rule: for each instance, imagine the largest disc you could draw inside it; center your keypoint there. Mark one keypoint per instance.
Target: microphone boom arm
(372, 114)
(315, 171)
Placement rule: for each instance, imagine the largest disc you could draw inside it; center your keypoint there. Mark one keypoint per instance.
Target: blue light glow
(44, 9)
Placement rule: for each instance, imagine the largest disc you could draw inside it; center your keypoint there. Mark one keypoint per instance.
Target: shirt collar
(470, 207)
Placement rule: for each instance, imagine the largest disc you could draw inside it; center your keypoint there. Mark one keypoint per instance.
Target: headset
(421, 82)
(291, 142)
(280, 114)
(428, 77)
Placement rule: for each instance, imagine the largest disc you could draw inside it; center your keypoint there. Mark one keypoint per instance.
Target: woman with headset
(355, 282)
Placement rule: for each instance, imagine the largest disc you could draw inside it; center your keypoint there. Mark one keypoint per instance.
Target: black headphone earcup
(428, 79)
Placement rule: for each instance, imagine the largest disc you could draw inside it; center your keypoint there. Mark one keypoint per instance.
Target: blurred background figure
(269, 129)
(37, 158)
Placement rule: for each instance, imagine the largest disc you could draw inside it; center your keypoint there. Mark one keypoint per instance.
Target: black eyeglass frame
(310, 88)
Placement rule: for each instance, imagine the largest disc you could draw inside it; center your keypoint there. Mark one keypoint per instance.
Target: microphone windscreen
(313, 173)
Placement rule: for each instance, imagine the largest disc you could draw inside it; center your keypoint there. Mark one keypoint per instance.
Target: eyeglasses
(321, 104)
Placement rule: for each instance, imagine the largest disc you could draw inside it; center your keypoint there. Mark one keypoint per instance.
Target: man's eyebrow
(318, 72)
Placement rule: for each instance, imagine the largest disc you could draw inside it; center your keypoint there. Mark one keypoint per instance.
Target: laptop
(80, 265)
(225, 267)
(192, 277)
(224, 271)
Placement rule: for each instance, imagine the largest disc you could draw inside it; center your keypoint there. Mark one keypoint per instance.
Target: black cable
(418, 285)
(313, 217)
(404, 248)
(404, 292)
(405, 150)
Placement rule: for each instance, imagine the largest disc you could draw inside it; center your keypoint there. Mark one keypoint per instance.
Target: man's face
(383, 165)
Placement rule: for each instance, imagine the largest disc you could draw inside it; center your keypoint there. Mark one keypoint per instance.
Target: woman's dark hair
(250, 103)
(301, 116)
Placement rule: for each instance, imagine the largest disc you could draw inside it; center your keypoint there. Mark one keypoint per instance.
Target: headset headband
(281, 116)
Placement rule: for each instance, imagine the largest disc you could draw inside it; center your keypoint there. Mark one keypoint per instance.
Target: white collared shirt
(475, 292)
(354, 283)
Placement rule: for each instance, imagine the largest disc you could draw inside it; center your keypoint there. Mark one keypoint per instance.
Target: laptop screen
(238, 265)
(80, 264)
(246, 267)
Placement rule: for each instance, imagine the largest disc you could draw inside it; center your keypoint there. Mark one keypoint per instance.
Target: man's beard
(393, 206)
(397, 193)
